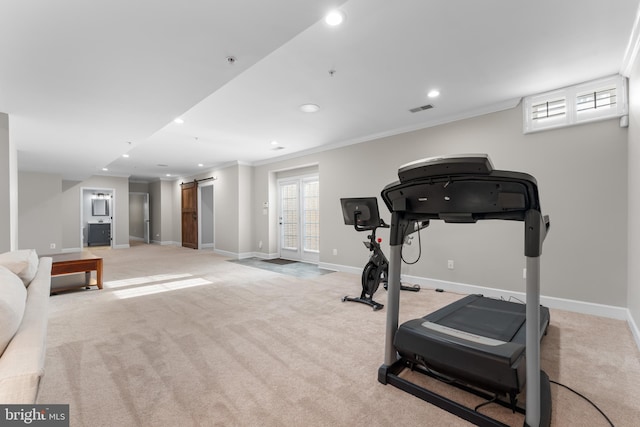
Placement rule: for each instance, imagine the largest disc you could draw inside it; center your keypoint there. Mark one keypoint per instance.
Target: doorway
(97, 216)
(206, 237)
(299, 218)
(189, 213)
(139, 223)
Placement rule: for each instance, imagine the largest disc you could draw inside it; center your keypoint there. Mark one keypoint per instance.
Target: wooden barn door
(190, 215)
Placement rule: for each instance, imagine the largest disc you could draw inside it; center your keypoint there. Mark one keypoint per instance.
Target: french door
(299, 218)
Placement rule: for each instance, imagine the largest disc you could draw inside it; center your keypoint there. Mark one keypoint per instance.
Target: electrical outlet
(524, 273)
(52, 246)
(335, 252)
(450, 264)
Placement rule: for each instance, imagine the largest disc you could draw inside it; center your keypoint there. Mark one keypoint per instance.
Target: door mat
(290, 268)
(279, 261)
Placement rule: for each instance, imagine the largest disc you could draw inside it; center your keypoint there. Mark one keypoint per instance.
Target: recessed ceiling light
(335, 17)
(125, 155)
(178, 121)
(200, 165)
(274, 142)
(433, 93)
(168, 174)
(309, 108)
(105, 169)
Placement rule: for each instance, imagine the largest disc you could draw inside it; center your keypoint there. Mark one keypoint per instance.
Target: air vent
(422, 108)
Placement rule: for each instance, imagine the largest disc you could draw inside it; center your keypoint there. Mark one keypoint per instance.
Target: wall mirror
(100, 207)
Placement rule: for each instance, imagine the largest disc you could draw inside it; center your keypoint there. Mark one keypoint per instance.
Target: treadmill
(478, 344)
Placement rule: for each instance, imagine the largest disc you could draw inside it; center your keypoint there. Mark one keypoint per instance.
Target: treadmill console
(477, 164)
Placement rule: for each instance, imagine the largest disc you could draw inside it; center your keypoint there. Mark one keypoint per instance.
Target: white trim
(635, 331)
(339, 267)
(165, 243)
(234, 255)
(494, 108)
(300, 253)
(126, 246)
(571, 116)
(206, 246)
(263, 255)
(136, 238)
(584, 307)
(70, 250)
(601, 310)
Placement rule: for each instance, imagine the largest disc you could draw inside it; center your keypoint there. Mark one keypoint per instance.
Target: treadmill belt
(488, 318)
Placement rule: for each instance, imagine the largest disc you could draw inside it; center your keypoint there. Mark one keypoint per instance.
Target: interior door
(299, 219)
(190, 214)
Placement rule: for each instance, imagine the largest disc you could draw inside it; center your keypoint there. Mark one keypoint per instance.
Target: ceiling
(85, 83)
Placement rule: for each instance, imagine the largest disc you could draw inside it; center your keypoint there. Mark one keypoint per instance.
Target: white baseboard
(207, 245)
(233, 255)
(165, 243)
(634, 328)
(137, 239)
(126, 246)
(339, 267)
(263, 255)
(70, 250)
(609, 311)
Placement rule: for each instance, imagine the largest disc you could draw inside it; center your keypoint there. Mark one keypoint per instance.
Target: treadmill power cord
(419, 249)
(585, 398)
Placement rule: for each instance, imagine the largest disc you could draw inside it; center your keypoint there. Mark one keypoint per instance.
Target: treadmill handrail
(449, 189)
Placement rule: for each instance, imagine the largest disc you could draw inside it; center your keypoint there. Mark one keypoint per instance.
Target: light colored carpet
(183, 337)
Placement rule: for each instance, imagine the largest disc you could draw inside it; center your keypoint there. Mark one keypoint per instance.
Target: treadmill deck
(476, 340)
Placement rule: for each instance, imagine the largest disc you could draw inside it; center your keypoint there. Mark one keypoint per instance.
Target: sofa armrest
(22, 363)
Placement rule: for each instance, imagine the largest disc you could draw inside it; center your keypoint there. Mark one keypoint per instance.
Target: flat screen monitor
(367, 208)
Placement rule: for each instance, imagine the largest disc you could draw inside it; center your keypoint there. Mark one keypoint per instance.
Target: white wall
(582, 177)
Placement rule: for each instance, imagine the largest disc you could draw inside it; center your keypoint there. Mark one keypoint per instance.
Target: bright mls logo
(34, 415)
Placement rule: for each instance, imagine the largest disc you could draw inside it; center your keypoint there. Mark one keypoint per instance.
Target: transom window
(595, 100)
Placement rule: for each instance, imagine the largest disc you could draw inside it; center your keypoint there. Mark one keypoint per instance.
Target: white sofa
(22, 361)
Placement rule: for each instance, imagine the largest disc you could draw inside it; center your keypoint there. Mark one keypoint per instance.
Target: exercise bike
(363, 214)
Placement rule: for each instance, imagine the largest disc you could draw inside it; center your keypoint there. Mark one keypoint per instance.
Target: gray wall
(585, 253)
(40, 212)
(245, 209)
(70, 206)
(206, 215)
(155, 211)
(233, 208)
(582, 172)
(8, 188)
(633, 291)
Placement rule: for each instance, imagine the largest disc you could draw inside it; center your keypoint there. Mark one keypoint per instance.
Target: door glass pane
(290, 218)
(311, 201)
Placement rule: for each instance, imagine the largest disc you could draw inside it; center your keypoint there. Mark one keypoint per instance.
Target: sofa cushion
(23, 263)
(13, 296)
